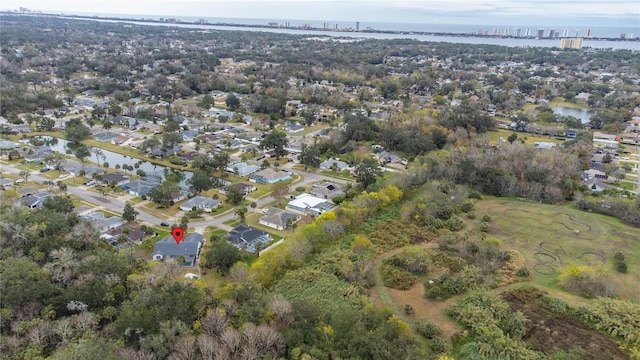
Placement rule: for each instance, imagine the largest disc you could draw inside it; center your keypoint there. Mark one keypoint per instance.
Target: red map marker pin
(177, 234)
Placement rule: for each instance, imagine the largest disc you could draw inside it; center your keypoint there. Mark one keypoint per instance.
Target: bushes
(412, 259)
(620, 265)
(427, 329)
(585, 281)
(523, 272)
(615, 317)
(397, 278)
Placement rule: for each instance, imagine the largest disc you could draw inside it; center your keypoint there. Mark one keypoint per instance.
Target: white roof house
(305, 203)
(200, 202)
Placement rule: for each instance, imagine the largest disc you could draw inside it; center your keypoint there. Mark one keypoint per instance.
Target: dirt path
(424, 309)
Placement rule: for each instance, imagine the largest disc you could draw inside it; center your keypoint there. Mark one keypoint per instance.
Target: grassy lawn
(253, 220)
(344, 175)
(163, 213)
(544, 235)
(232, 223)
(260, 193)
(495, 135)
(145, 249)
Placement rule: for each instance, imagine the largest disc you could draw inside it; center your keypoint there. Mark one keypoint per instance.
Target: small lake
(61, 146)
(583, 114)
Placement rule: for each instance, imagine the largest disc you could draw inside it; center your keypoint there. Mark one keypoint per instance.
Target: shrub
(471, 215)
(408, 310)
(397, 278)
(557, 306)
(437, 345)
(585, 281)
(618, 257)
(455, 224)
(484, 228)
(474, 194)
(486, 218)
(427, 329)
(621, 267)
(466, 206)
(523, 272)
(413, 260)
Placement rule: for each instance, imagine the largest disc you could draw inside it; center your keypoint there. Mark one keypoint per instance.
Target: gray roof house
(6, 182)
(247, 238)
(89, 170)
(103, 223)
(117, 177)
(329, 164)
(326, 190)
(189, 248)
(278, 218)
(201, 202)
(106, 136)
(269, 176)
(35, 200)
(244, 169)
(139, 187)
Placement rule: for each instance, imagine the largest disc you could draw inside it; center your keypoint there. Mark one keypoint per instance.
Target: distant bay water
(464, 33)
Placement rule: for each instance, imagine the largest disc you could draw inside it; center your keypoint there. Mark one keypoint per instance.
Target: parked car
(19, 181)
(44, 170)
(90, 182)
(62, 176)
(164, 223)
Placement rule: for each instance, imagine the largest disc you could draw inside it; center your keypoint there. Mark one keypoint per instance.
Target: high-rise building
(589, 34)
(527, 32)
(577, 32)
(506, 31)
(540, 33)
(517, 32)
(357, 25)
(551, 33)
(565, 33)
(571, 43)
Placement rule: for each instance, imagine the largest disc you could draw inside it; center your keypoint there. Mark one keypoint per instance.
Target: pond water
(583, 114)
(61, 146)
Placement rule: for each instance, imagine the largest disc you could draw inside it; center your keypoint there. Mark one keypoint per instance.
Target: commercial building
(571, 43)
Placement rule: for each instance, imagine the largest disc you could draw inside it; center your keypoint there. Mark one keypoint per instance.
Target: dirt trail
(425, 309)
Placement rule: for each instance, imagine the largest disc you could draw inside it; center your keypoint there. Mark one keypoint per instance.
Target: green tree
(54, 160)
(221, 255)
(24, 175)
(234, 194)
(164, 194)
(232, 102)
(309, 156)
(99, 154)
(200, 182)
(82, 152)
(279, 191)
(367, 172)
(512, 138)
(170, 139)
(129, 213)
(276, 140)
(75, 130)
(241, 212)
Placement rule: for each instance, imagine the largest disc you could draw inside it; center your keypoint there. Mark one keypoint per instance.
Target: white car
(19, 181)
(62, 176)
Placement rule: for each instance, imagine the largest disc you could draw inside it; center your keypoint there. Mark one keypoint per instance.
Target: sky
(507, 12)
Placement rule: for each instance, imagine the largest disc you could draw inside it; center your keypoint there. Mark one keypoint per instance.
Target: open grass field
(545, 235)
(529, 139)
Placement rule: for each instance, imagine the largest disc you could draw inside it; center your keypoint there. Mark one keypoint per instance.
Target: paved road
(116, 205)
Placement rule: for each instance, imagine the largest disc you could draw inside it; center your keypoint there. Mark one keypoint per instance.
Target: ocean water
(597, 31)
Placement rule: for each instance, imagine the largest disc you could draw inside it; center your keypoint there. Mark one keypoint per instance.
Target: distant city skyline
(483, 12)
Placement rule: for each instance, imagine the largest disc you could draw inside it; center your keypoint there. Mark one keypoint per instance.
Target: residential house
(89, 170)
(102, 222)
(105, 136)
(201, 202)
(332, 164)
(108, 179)
(83, 210)
(293, 127)
(278, 218)
(35, 200)
(270, 176)
(139, 187)
(326, 190)
(309, 204)
(6, 182)
(245, 189)
(38, 155)
(134, 234)
(188, 135)
(571, 133)
(188, 248)
(242, 168)
(386, 157)
(26, 191)
(248, 238)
